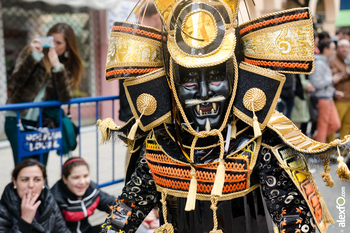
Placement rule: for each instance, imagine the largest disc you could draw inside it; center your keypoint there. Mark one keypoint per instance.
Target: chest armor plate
(174, 176)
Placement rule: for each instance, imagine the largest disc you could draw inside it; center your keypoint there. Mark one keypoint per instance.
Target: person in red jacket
(78, 197)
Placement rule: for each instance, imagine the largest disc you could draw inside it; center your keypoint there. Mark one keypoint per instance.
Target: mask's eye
(215, 77)
(214, 72)
(190, 79)
(193, 74)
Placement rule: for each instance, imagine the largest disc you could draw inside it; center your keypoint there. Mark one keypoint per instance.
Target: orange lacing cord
(272, 21)
(204, 176)
(130, 71)
(137, 31)
(278, 64)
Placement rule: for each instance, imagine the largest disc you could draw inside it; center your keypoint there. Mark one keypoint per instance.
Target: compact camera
(47, 41)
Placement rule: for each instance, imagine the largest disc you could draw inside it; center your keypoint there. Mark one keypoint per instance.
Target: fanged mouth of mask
(206, 109)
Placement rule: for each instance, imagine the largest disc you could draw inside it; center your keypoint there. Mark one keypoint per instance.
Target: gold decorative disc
(199, 29)
(146, 104)
(256, 97)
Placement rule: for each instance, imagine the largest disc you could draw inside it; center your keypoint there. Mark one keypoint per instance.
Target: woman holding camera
(27, 205)
(43, 74)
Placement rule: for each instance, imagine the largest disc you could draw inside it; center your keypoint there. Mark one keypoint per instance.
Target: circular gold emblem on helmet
(199, 29)
(256, 98)
(146, 104)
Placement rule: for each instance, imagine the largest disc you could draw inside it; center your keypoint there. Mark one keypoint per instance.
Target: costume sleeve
(284, 201)
(24, 66)
(137, 199)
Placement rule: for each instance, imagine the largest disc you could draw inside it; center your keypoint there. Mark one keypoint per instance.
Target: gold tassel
(342, 169)
(133, 130)
(256, 127)
(327, 217)
(219, 179)
(105, 127)
(234, 129)
(326, 176)
(216, 231)
(192, 193)
(165, 228)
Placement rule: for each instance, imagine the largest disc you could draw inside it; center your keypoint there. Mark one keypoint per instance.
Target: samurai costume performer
(207, 145)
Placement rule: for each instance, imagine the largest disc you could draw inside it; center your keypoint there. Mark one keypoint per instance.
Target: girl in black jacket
(27, 205)
(78, 197)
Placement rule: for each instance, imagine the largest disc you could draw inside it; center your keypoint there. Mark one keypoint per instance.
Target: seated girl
(78, 197)
(27, 205)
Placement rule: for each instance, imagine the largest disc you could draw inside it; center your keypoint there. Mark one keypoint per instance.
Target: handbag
(70, 131)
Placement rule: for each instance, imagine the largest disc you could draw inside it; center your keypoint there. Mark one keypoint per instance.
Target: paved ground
(105, 174)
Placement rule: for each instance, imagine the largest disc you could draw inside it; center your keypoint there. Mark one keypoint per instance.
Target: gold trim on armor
(255, 97)
(218, 56)
(146, 103)
(278, 53)
(135, 37)
(128, 51)
(273, 14)
(166, 118)
(136, 24)
(134, 64)
(254, 156)
(292, 136)
(267, 73)
(207, 197)
(324, 226)
(184, 24)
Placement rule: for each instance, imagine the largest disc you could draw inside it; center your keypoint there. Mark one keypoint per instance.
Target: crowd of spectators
(319, 103)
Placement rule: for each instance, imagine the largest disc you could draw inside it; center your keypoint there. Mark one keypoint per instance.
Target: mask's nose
(203, 90)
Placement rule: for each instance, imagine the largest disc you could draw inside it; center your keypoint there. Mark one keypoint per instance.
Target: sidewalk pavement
(88, 142)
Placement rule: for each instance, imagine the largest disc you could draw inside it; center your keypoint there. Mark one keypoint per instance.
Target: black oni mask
(205, 93)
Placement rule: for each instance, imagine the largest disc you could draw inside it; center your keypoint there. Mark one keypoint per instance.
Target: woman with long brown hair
(66, 46)
(43, 74)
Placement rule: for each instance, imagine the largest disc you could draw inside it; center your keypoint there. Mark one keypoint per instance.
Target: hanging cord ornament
(192, 192)
(166, 227)
(146, 105)
(105, 127)
(213, 207)
(220, 172)
(326, 176)
(254, 100)
(256, 127)
(342, 169)
(234, 128)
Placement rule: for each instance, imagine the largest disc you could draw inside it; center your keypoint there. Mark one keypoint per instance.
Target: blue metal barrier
(55, 134)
